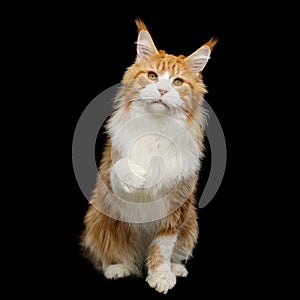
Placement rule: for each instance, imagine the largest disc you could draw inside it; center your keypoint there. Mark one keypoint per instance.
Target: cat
(142, 217)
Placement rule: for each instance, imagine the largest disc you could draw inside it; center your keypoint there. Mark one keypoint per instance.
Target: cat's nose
(162, 91)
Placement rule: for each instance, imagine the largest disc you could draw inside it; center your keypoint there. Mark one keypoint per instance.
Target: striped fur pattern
(142, 217)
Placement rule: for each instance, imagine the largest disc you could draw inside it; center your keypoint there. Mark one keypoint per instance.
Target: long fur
(150, 225)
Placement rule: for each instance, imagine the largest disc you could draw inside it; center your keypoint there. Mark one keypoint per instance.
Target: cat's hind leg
(109, 245)
(179, 270)
(116, 271)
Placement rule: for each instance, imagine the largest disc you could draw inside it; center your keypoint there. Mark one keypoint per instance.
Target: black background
(88, 50)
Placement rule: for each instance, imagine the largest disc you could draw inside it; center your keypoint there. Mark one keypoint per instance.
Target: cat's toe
(162, 281)
(131, 185)
(126, 187)
(179, 270)
(116, 271)
(138, 170)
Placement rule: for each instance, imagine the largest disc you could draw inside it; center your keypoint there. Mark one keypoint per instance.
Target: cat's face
(160, 90)
(164, 83)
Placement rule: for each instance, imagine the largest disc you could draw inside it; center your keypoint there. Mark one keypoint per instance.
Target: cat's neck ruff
(144, 121)
(142, 136)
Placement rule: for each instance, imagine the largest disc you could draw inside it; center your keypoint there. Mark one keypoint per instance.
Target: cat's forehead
(168, 64)
(164, 75)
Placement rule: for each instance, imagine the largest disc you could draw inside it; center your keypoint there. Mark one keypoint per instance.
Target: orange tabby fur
(108, 241)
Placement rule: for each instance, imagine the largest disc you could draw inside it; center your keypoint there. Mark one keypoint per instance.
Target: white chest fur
(161, 144)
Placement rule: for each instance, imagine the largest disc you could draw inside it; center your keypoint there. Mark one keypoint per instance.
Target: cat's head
(164, 83)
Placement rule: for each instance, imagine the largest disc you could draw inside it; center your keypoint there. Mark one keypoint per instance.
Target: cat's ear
(200, 57)
(145, 46)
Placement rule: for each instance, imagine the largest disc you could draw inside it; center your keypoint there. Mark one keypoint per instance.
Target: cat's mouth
(159, 102)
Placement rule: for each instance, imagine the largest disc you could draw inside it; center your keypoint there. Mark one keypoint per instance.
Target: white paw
(179, 270)
(162, 281)
(132, 182)
(138, 170)
(132, 177)
(116, 271)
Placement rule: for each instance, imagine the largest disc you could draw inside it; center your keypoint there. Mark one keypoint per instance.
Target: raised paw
(116, 271)
(179, 270)
(132, 177)
(138, 170)
(132, 182)
(162, 281)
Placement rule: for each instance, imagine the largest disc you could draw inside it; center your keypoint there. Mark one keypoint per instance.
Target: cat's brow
(139, 73)
(164, 75)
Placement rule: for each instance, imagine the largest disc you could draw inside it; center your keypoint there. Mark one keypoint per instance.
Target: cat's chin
(158, 106)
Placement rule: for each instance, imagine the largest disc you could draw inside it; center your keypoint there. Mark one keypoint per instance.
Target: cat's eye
(178, 81)
(152, 75)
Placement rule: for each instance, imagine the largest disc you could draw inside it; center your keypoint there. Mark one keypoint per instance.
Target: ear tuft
(145, 45)
(140, 25)
(200, 57)
(211, 43)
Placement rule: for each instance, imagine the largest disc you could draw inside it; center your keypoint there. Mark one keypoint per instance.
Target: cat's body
(142, 216)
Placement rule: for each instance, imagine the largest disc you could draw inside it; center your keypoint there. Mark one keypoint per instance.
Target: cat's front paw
(162, 281)
(132, 177)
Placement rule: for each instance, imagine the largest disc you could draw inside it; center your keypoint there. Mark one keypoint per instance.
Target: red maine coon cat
(142, 216)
